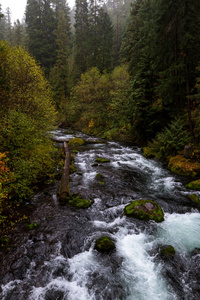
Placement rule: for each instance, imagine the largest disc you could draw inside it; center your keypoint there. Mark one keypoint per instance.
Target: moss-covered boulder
(183, 166)
(144, 210)
(102, 160)
(76, 142)
(167, 251)
(99, 176)
(79, 202)
(194, 185)
(194, 199)
(104, 244)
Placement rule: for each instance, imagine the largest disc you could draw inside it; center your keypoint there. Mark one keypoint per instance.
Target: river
(58, 261)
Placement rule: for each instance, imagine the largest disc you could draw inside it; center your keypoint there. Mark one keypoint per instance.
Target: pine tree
(19, 34)
(81, 42)
(2, 23)
(59, 75)
(41, 25)
(104, 59)
(8, 26)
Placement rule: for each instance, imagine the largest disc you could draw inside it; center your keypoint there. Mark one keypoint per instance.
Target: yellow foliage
(91, 123)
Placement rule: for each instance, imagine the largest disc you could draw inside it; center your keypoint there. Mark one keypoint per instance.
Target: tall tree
(81, 41)
(59, 76)
(41, 25)
(19, 34)
(8, 26)
(2, 23)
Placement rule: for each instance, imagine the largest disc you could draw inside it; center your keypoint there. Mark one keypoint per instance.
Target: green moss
(5, 243)
(102, 160)
(183, 166)
(33, 226)
(76, 142)
(75, 151)
(104, 244)
(99, 176)
(95, 165)
(79, 202)
(167, 250)
(194, 185)
(144, 210)
(72, 169)
(148, 152)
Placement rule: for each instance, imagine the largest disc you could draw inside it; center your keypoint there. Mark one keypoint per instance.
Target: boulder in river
(195, 200)
(76, 142)
(104, 244)
(184, 166)
(167, 251)
(194, 185)
(79, 202)
(102, 160)
(144, 210)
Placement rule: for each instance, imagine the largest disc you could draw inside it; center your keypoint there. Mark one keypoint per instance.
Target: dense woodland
(119, 69)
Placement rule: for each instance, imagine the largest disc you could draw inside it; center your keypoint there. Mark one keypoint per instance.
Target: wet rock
(79, 202)
(52, 294)
(104, 244)
(102, 160)
(194, 185)
(184, 166)
(19, 267)
(76, 142)
(144, 210)
(196, 251)
(167, 251)
(195, 200)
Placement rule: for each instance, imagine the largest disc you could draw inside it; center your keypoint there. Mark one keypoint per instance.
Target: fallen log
(87, 141)
(64, 184)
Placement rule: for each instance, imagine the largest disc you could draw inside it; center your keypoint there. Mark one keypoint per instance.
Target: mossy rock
(183, 166)
(148, 152)
(196, 251)
(195, 199)
(79, 202)
(75, 151)
(99, 176)
(144, 210)
(194, 185)
(76, 142)
(33, 226)
(102, 160)
(95, 165)
(167, 251)
(104, 244)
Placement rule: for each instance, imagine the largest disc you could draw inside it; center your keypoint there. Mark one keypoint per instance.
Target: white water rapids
(134, 271)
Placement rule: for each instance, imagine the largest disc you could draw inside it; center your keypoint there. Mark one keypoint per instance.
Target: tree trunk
(64, 185)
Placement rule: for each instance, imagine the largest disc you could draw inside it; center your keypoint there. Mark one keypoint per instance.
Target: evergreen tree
(2, 24)
(81, 42)
(118, 11)
(59, 76)
(19, 34)
(104, 59)
(8, 26)
(41, 25)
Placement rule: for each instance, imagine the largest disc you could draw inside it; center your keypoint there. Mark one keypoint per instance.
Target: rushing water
(58, 260)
